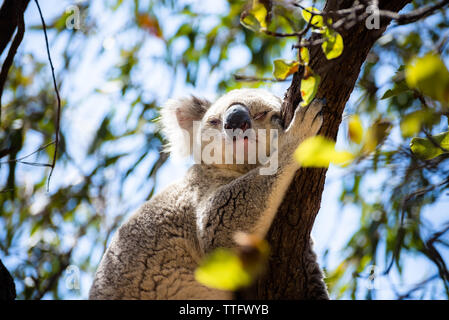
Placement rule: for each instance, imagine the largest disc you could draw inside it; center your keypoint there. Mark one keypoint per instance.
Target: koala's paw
(307, 121)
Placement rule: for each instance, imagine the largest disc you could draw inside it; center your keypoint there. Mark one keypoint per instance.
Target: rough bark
(292, 274)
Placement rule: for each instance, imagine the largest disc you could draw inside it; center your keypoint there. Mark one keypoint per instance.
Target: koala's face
(240, 121)
(244, 109)
(233, 132)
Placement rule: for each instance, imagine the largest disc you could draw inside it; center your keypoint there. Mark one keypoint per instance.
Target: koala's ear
(177, 117)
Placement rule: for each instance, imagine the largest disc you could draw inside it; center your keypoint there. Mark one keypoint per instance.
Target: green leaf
(333, 45)
(430, 76)
(427, 149)
(223, 270)
(355, 129)
(317, 20)
(256, 17)
(309, 87)
(284, 68)
(318, 151)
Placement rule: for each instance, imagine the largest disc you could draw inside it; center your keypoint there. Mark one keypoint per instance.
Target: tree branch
(414, 15)
(11, 16)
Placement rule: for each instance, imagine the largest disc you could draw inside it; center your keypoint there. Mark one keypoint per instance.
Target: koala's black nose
(237, 117)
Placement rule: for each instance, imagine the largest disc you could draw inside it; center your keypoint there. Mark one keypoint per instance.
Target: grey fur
(154, 254)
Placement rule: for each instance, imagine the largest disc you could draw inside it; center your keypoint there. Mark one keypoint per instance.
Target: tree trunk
(292, 271)
(7, 287)
(9, 17)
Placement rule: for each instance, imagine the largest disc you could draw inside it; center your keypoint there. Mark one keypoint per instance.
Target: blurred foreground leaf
(376, 134)
(430, 76)
(319, 151)
(355, 129)
(232, 269)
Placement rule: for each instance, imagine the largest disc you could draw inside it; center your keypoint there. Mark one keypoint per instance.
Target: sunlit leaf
(426, 149)
(355, 129)
(317, 20)
(284, 68)
(333, 44)
(304, 55)
(309, 87)
(255, 17)
(318, 151)
(430, 76)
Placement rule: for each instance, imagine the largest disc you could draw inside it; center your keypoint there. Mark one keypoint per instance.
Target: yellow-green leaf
(355, 129)
(333, 44)
(309, 87)
(318, 151)
(427, 149)
(412, 123)
(430, 76)
(284, 68)
(317, 20)
(256, 17)
(223, 270)
(304, 56)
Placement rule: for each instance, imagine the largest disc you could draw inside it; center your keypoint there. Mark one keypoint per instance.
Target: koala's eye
(214, 122)
(260, 115)
(276, 118)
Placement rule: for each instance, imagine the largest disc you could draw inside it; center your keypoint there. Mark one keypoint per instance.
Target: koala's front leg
(250, 202)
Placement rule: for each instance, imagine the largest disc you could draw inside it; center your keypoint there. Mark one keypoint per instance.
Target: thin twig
(417, 287)
(238, 77)
(28, 155)
(281, 34)
(58, 115)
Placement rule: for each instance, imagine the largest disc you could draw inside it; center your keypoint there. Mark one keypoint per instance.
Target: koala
(154, 254)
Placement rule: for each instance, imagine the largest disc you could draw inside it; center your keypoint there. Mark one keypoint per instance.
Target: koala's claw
(307, 120)
(315, 109)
